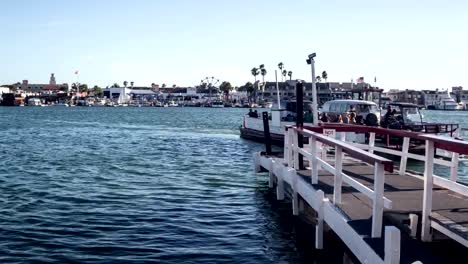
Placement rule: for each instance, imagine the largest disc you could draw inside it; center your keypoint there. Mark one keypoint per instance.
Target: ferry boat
(252, 125)
(405, 116)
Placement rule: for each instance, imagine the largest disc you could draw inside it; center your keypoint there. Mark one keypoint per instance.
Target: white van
(366, 112)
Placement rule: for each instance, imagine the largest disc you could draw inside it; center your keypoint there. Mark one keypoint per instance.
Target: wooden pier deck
(357, 193)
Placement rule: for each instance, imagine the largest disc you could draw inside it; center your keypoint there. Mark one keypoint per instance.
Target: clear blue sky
(406, 44)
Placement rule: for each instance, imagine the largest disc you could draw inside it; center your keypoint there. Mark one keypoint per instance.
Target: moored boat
(403, 116)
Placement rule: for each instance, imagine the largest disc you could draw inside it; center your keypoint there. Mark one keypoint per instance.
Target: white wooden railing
(451, 147)
(316, 161)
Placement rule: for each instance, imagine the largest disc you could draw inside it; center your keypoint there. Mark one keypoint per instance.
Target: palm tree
(263, 72)
(255, 72)
(284, 73)
(290, 75)
(281, 66)
(131, 84)
(324, 76)
(250, 89)
(125, 83)
(226, 87)
(318, 78)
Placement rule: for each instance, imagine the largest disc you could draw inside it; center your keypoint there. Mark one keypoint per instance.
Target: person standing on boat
(351, 116)
(387, 117)
(324, 118)
(308, 117)
(251, 113)
(340, 119)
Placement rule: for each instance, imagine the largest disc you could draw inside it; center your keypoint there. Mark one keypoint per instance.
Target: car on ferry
(366, 112)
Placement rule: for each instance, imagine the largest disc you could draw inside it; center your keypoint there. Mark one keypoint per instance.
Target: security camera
(311, 56)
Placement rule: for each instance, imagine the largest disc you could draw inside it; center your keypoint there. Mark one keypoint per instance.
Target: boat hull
(258, 136)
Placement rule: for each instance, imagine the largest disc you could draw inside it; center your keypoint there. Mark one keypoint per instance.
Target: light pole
(311, 61)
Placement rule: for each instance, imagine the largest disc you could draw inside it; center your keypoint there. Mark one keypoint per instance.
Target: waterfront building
(51, 87)
(120, 95)
(4, 89)
(406, 96)
(325, 91)
(430, 98)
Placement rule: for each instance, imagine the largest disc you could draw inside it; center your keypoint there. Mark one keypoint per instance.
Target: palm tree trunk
(263, 87)
(255, 90)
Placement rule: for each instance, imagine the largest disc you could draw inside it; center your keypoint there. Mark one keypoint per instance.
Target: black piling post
(266, 133)
(300, 119)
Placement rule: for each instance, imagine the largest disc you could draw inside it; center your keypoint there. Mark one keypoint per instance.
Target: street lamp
(311, 62)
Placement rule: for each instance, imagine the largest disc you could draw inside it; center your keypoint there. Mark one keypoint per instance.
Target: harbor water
(139, 185)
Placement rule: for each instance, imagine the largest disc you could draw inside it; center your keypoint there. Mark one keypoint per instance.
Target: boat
(252, 124)
(217, 104)
(407, 117)
(100, 102)
(171, 104)
(34, 102)
(61, 104)
(446, 102)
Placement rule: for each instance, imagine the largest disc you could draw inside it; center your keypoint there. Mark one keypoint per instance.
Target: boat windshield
(365, 108)
(411, 115)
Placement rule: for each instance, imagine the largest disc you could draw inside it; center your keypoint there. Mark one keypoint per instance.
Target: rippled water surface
(134, 185)
(138, 185)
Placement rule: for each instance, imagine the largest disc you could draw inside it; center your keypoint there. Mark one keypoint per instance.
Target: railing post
(256, 158)
(320, 217)
(404, 156)
(454, 167)
(371, 142)
(427, 194)
(286, 145)
(296, 149)
(392, 245)
(295, 198)
(271, 174)
(338, 181)
(280, 186)
(290, 147)
(266, 133)
(324, 151)
(343, 136)
(377, 207)
(314, 167)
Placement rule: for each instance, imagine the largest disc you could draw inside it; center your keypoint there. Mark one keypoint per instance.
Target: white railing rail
(310, 151)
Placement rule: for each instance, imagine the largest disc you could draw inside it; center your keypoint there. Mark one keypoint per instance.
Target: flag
(375, 79)
(360, 80)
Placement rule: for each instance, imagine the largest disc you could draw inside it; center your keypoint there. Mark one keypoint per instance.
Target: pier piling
(266, 133)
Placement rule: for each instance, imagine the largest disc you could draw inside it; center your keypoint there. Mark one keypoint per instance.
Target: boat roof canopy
(403, 104)
(353, 101)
